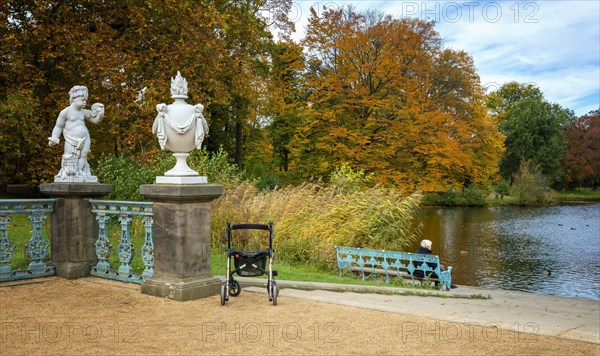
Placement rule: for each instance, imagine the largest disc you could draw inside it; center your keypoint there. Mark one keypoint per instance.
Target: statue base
(182, 289)
(73, 228)
(182, 180)
(65, 178)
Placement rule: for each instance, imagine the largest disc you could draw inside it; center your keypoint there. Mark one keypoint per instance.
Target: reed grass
(311, 219)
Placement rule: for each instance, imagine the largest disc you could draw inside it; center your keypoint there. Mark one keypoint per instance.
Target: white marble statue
(71, 123)
(180, 128)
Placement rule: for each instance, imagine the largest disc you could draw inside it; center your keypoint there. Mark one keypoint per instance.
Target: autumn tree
(284, 102)
(582, 160)
(534, 130)
(125, 52)
(385, 97)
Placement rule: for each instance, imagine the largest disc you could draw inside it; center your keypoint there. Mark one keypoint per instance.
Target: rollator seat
(244, 261)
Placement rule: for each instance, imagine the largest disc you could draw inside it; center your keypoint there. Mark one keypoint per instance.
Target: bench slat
(381, 271)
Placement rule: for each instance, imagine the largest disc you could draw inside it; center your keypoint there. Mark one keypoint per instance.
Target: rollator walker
(249, 263)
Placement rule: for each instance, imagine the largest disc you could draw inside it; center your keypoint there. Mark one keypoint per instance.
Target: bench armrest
(446, 278)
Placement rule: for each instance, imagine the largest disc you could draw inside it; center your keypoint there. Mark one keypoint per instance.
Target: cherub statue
(71, 123)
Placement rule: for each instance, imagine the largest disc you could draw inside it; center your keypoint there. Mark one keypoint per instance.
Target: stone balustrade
(175, 251)
(36, 248)
(124, 212)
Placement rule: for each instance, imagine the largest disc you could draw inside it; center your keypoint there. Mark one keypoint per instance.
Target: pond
(548, 250)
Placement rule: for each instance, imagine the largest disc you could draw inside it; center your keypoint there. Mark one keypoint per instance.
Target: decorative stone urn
(180, 128)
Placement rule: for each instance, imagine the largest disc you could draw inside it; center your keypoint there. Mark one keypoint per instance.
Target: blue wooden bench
(401, 264)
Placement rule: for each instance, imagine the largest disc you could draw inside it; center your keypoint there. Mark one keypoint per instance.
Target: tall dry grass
(311, 219)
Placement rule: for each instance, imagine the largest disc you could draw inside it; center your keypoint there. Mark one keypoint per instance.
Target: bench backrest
(400, 261)
(391, 260)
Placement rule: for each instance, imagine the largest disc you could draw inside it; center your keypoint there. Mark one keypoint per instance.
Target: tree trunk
(238, 144)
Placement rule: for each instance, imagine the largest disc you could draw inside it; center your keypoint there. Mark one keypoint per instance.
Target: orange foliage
(387, 98)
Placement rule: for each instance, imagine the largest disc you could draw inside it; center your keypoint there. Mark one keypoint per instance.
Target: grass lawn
(584, 194)
(19, 233)
(307, 273)
(579, 195)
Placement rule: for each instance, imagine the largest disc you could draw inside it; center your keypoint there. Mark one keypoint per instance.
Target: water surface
(547, 250)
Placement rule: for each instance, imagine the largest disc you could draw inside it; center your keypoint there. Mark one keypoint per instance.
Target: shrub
(126, 173)
(346, 180)
(529, 186)
(451, 197)
(471, 196)
(502, 189)
(216, 166)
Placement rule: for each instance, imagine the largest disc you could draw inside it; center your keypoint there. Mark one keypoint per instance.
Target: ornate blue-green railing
(124, 211)
(36, 248)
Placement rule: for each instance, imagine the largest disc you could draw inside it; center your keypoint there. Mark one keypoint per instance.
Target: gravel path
(96, 316)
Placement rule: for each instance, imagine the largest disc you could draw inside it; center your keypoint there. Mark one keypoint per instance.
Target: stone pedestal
(182, 241)
(181, 180)
(74, 228)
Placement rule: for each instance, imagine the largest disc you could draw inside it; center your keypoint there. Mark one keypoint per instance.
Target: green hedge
(471, 196)
(126, 173)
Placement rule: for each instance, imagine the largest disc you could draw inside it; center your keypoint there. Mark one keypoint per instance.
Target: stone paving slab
(562, 317)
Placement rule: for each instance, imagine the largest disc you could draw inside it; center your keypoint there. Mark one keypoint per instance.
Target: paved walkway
(562, 317)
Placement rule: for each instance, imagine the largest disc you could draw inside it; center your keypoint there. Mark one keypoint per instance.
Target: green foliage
(23, 144)
(534, 130)
(501, 101)
(451, 197)
(311, 219)
(126, 173)
(471, 196)
(529, 185)
(263, 177)
(346, 180)
(216, 166)
(502, 188)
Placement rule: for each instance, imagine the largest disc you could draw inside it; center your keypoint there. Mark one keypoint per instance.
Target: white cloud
(554, 44)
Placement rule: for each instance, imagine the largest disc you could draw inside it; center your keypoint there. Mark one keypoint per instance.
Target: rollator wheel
(223, 292)
(274, 292)
(269, 291)
(234, 288)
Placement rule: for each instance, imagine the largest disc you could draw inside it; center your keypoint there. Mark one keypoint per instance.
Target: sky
(553, 44)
